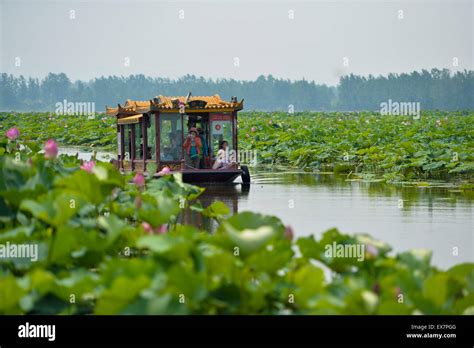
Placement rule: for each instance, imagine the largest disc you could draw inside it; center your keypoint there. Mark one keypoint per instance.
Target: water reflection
(86, 154)
(230, 194)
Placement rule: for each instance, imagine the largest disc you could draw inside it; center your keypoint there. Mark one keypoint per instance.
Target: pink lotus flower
(147, 227)
(13, 133)
(139, 180)
(154, 230)
(88, 166)
(371, 250)
(164, 171)
(288, 232)
(253, 129)
(163, 229)
(50, 149)
(270, 122)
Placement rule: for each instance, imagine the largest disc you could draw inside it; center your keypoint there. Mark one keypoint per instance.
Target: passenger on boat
(192, 147)
(224, 158)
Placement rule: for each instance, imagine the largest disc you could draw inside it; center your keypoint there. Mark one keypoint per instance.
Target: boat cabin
(156, 131)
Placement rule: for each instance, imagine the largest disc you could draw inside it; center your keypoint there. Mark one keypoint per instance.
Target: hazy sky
(86, 39)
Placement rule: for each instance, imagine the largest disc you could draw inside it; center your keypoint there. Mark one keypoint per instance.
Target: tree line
(435, 89)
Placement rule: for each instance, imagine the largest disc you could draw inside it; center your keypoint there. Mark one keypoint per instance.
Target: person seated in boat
(225, 157)
(192, 147)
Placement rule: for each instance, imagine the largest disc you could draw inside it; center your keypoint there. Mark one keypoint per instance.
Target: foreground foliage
(111, 246)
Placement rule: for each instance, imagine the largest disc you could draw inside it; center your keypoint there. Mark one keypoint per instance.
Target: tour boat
(153, 132)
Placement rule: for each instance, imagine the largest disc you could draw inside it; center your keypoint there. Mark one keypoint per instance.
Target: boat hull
(210, 175)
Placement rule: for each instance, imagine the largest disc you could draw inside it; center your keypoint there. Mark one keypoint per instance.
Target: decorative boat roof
(131, 107)
(174, 104)
(195, 102)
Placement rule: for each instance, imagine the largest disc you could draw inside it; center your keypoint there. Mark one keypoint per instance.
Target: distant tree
(55, 88)
(435, 89)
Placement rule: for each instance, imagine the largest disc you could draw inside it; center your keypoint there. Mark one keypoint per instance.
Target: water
(86, 155)
(437, 218)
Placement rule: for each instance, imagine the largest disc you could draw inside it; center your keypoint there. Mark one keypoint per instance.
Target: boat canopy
(130, 119)
(195, 104)
(188, 104)
(130, 108)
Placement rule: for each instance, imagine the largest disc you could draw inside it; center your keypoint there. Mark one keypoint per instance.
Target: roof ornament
(198, 104)
(188, 97)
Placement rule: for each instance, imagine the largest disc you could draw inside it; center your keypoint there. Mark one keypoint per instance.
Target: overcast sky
(238, 39)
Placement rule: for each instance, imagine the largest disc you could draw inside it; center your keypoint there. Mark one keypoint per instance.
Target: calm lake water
(86, 154)
(435, 218)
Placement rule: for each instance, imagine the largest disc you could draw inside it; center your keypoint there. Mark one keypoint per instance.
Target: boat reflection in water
(230, 194)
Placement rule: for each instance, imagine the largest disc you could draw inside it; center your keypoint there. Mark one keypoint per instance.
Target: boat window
(151, 138)
(127, 142)
(138, 141)
(171, 137)
(221, 130)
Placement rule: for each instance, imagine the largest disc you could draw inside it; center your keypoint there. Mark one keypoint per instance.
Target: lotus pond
(393, 148)
(114, 244)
